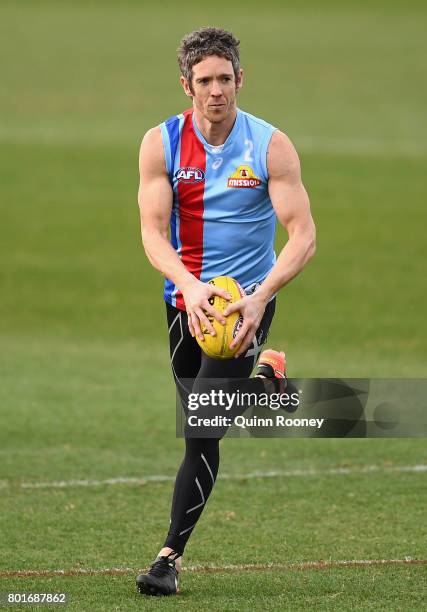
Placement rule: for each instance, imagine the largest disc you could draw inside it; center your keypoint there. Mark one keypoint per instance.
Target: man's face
(213, 88)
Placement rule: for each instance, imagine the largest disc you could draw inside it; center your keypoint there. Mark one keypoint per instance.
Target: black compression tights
(193, 485)
(197, 473)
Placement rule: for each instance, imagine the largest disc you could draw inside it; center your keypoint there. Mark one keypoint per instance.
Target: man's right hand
(196, 297)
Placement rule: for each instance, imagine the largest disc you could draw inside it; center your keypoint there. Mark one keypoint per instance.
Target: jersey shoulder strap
(171, 132)
(258, 134)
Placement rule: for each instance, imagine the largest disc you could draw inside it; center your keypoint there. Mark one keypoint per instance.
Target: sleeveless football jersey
(222, 220)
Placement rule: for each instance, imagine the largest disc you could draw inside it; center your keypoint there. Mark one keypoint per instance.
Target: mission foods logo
(243, 177)
(189, 175)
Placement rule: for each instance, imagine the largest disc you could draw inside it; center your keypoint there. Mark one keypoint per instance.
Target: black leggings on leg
(197, 473)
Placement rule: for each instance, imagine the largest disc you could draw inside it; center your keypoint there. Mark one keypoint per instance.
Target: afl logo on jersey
(243, 177)
(189, 175)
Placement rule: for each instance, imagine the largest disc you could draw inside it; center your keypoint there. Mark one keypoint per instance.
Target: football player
(213, 182)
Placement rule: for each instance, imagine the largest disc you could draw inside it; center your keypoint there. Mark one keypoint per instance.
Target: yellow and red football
(217, 346)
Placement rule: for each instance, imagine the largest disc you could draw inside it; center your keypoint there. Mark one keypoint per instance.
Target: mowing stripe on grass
(202, 569)
(120, 138)
(367, 469)
(360, 146)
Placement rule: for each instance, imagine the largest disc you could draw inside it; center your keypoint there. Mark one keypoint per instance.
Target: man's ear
(239, 80)
(186, 87)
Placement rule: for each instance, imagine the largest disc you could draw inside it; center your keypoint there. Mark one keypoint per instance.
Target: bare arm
(155, 203)
(292, 207)
(291, 204)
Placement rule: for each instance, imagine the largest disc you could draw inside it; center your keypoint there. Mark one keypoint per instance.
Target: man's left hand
(252, 308)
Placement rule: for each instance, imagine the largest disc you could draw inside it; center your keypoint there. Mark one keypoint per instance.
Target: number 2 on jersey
(249, 148)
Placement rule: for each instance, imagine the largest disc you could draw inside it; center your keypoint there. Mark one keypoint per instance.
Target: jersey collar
(220, 148)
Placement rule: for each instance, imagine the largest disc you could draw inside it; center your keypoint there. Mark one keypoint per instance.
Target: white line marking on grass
(201, 569)
(368, 469)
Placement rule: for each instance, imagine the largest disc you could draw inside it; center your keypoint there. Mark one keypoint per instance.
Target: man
(219, 178)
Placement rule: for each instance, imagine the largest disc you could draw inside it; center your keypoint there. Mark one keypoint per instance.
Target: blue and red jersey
(222, 220)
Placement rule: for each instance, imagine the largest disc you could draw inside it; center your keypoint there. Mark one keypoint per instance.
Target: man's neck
(215, 133)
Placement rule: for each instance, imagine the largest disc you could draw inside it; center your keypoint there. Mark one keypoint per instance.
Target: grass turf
(392, 588)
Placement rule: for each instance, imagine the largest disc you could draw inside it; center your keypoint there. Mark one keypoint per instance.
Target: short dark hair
(204, 42)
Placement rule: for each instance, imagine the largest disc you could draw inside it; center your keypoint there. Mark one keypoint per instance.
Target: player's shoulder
(152, 136)
(160, 142)
(281, 143)
(152, 143)
(151, 154)
(282, 157)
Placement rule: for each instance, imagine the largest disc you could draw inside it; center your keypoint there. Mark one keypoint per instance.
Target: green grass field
(86, 392)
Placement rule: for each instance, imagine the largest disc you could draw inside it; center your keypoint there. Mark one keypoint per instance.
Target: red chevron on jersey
(191, 202)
